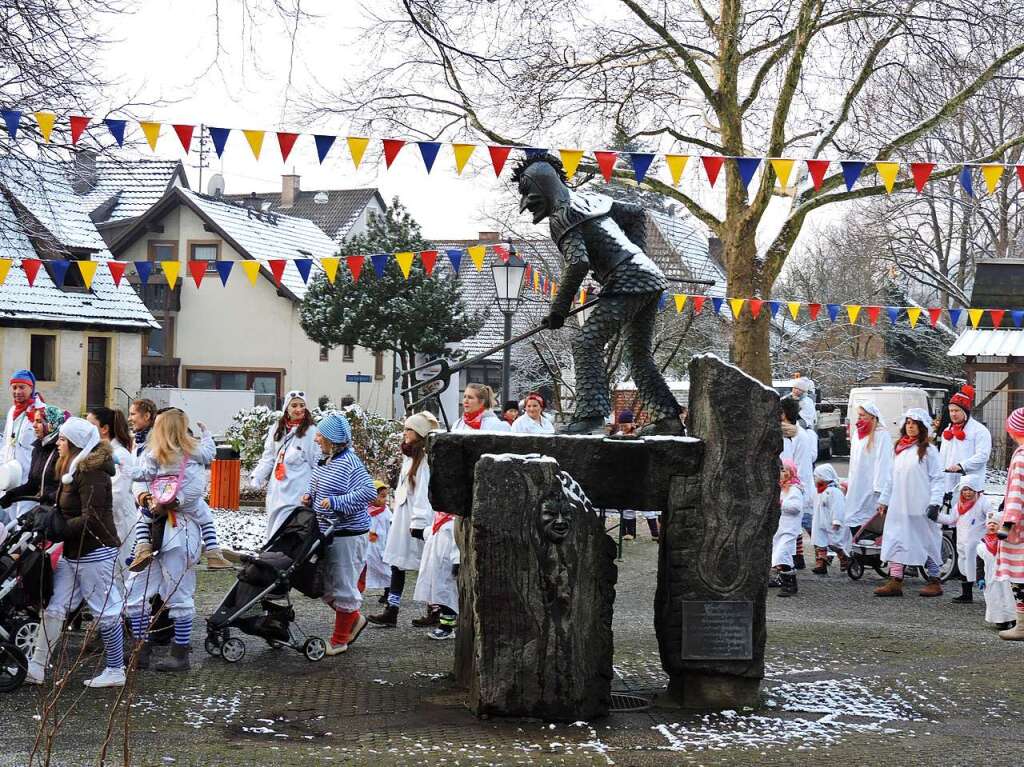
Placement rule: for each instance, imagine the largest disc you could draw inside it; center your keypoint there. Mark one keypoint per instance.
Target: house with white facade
(82, 341)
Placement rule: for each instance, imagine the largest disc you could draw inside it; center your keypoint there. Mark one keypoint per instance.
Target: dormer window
(66, 275)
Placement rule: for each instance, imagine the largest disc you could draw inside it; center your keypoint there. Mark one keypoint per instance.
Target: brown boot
(844, 561)
(143, 556)
(933, 589)
(1015, 634)
(892, 588)
(432, 618)
(215, 560)
(820, 561)
(386, 619)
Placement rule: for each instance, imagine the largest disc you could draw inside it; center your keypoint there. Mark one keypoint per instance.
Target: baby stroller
(259, 604)
(866, 551)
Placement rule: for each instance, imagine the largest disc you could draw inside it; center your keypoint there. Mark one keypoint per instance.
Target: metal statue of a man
(595, 233)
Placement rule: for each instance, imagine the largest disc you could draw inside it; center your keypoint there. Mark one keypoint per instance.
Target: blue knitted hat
(25, 377)
(336, 428)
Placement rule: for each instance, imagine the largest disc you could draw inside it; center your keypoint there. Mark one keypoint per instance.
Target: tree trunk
(750, 337)
(750, 346)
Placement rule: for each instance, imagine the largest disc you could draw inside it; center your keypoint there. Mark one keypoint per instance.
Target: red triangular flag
(1020, 174)
(712, 165)
(755, 305)
(429, 258)
(817, 169)
(502, 252)
(813, 309)
(698, 304)
(498, 156)
(277, 266)
(921, 171)
(606, 162)
(31, 267)
(198, 271)
(355, 265)
(286, 141)
(184, 135)
(78, 124)
(934, 314)
(117, 271)
(391, 149)
(997, 316)
(873, 312)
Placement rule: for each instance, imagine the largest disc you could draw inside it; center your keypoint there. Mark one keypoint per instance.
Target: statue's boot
(593, 425)
(669, 427)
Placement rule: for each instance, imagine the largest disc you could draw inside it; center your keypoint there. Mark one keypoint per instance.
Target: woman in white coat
(829, 530)
(478, 410)
(290, 454)
(533, 421)
(784, 542)
(911, 505)
(968, 513)
(113, 428)
(871, 457)
(411, 515)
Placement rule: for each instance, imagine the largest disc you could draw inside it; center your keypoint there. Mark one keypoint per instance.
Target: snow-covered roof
(681, 250)
(984, 342)
(124, 189)
(335, 211)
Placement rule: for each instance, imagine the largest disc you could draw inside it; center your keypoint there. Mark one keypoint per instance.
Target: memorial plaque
(718, 630)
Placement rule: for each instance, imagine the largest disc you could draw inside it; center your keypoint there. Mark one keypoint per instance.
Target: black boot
(384, 597)
(386, 619)
(774, 579)
(177, 660)
(653, 525)
(789, 588)
(1006, 625)
(798, 562)
(966, 593)
(143, 655)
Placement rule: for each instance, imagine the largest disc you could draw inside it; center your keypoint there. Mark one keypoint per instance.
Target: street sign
(358, 378)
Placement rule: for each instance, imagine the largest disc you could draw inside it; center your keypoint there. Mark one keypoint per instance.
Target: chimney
(490, 237)
(84, 180)
(289, 190)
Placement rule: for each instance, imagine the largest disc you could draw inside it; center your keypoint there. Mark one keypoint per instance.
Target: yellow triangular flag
(853, 310)
(676, 164)
(736, 304)
(975, 315)
(152, 131)
(913, 314)
(5, 266)
(583, 296)
(794, 308)
(887, 172)
(88, 271)
(404, 260)
(255, 139)
(356, 146)
(330, 265)
(783, 168)
(570, 161)
(992, 174)
(536, 280)
(46, 121)
(462, 154)
(477, 253)
(680, 299)
(171, 269)
(252, 270)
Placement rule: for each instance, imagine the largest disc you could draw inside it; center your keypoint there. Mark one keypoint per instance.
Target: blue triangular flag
(428, 149)
(851, 172)
(663, 300)
(323, 146)
(1018, 317)
(532, 152)
(894, 313)
(116, 128)
(455, 256)
(773, 306)
(717, 303)
(833, 311)
(641, 162)
(11, 118)
(954, 316)
(144, 269)
(380, 262)
(59, 270)
(224, 270)
(303, 265)
(220, 138)
(966, 181)
(747, 166)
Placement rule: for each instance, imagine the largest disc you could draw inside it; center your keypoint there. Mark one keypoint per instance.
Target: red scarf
(376, 510)
(991, 542)
(962, 507)
(904, 443)
(864, 427)
(33, 399)
(440, 519)
(955, 431)
(474, 420)
(293, 424)
(822, 486)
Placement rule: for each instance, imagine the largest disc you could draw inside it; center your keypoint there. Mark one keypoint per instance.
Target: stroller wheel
(314, 649)
(233, 650)
(23, 634)
(212, 645)
(855, 569)
(13, 667)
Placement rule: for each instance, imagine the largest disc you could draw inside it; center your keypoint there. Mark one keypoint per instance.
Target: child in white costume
(968, 512)
(829, 530)
(437, 581)
(377, 574)
(1000, 608)
(784, 542)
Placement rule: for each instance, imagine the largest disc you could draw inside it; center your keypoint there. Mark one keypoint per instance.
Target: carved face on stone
(555, 513)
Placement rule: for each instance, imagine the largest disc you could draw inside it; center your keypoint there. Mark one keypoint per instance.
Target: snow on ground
(242, 529)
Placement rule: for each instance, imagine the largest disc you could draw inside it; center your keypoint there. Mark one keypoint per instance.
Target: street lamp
(508, 284)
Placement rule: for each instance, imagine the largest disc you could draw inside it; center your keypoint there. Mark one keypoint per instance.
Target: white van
(892, 402)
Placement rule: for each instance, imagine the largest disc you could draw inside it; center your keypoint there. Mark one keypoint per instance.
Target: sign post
(358, 379)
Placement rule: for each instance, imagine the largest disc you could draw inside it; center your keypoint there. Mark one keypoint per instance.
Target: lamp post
(508, 284)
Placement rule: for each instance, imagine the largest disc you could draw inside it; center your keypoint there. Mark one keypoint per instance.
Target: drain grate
(623, 702)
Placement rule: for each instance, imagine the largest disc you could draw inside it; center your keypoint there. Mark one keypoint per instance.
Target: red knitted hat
(1015, 423)
(963, 399)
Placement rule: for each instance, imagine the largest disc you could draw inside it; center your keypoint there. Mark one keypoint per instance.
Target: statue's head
(555, 511)
(542, 183)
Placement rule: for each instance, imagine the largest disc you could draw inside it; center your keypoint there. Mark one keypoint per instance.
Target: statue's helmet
(541, 183)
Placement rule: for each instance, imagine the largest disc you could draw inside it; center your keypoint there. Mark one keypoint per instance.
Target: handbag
(164, 491)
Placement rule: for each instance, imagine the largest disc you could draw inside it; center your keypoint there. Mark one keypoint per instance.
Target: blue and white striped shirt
(101, 554)
(345, 482)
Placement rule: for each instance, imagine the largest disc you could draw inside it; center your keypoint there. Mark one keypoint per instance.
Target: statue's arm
(574, 251)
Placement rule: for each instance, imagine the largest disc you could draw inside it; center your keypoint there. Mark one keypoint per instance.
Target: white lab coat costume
(784, 541)
(870, 473)
(378, 572)
(970, 529)
(909, 537)
(126, 513)
(435, 583)
(526, 425)
(808, 413)
(301, 455)
(802, 449)
(18, 440)
(829, 511)
(412, 510)
(489, 422)
(999, 603)
(972, 453)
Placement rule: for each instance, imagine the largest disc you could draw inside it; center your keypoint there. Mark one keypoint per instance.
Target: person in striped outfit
(86, 572)
(341, 490)
(1010, 551)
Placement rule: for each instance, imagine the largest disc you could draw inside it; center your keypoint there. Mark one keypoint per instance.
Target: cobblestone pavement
(852, 680)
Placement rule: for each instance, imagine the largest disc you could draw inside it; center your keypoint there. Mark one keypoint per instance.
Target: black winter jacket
(41, 484)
